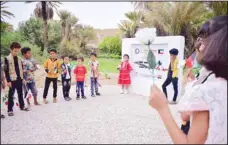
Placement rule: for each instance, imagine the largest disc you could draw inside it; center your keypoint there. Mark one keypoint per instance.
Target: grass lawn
(106, 65)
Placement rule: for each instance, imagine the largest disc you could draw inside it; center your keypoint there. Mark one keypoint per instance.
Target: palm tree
(64, 16)
(176, 18)
(44, 10)
(130, 26)
(84, 34)
(71, 22)
(5, 13)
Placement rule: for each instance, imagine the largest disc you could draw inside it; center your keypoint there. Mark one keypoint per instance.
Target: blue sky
(97, 14)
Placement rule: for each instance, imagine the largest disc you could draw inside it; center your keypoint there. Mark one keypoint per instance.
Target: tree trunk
(45, 27)
(63, 30)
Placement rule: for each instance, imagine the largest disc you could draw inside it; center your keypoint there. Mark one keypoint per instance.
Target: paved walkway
(110, 118)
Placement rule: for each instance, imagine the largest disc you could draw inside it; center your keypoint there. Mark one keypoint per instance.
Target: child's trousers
(175, 86)
(66, 83)
(47, 84)
(80, 88)
(16, 85)
(94, 85)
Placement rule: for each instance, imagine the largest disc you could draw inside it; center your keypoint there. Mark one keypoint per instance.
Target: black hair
(15, 45)
(52, 50)
(174, 51)
(24, 50)
(81, 58)
(64, 56)
(93, 54)
(213, 34)
(126, 55)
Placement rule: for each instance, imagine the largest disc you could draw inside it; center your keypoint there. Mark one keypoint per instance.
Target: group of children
(18, 74)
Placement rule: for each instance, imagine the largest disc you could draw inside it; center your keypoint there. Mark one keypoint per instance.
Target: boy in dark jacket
(66, 77)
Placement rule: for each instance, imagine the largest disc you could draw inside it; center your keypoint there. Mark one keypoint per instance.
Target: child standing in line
(80, 72)
(14, 77)
(52, 67)
(66, 77)
(94, 74)
(172, 74)
(29, 67)
(124, 74)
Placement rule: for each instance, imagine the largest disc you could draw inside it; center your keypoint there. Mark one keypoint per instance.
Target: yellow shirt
(53, 67)
(174, 67)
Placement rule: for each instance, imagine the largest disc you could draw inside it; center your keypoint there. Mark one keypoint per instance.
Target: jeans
(66, 83)
(94, 85)
(16, 85)
(32, 87)
(47, 84)
(175, 86)
(80, 87)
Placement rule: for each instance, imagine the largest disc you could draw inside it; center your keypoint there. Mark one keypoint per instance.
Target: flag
(160, 51)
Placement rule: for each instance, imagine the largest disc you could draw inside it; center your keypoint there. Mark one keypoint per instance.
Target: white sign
(142, 81)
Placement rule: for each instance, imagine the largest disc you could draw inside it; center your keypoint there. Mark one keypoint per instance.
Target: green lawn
(106, 65)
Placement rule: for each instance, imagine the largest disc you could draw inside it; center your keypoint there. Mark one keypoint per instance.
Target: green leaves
(151, 59)
(111, 45)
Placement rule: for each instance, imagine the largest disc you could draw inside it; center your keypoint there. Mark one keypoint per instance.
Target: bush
(105, 55)
(111, 45)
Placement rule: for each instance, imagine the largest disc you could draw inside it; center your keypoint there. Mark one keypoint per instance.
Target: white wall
(140, 83)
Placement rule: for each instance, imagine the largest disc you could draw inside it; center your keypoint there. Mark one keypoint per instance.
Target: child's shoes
(54, 100)
(122, 91)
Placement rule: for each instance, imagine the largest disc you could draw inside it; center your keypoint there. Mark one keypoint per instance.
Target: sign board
(142, 77)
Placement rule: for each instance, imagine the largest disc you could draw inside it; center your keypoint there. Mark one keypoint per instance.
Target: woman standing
(205, 103)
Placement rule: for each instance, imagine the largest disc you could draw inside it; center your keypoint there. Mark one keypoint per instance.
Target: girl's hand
(157, 99)
(185, 116)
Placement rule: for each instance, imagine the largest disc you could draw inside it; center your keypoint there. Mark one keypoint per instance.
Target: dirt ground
(41, 74)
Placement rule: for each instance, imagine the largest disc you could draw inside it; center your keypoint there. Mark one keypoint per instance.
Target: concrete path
(110, 118)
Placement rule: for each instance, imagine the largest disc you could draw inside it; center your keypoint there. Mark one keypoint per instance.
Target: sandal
(25, 109)
(10, 114)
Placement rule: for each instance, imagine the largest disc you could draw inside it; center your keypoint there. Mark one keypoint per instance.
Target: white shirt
(68, 74)
(210, 96)
(95, 66)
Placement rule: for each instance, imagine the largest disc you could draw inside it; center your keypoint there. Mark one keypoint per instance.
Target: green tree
(6, 39)
(111, 45)
(176, 18)
(44, 10)
(84, 34)
(5, 13)
(218, 7)
(130, 26)
(31, 31)
(64, 16)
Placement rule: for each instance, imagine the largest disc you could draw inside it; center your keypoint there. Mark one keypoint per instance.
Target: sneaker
(92, 95)
(10, 113)
(77, 97)
(37, 103)
(98, 94)
(173, 102)
(54, 100)
(45, 101)
(83, 97)
(70, 98)
(122, 92)
(67, 99)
